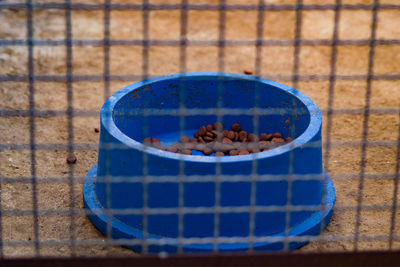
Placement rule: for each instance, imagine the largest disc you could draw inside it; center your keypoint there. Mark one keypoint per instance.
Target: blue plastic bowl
(130, 176)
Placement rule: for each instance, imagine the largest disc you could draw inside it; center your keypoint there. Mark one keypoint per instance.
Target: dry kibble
(236, 136)
(207, 138)
(71, 159)
(201, 140)
(184, 139)
(187, 152)
(209, 127)
(277, 140)
(207, 151)
(243, 136)
(96, 130)
(264, 137)
(189, 145)
(177, 145)
(147, 141)
(237, 145)
(248, 71)
(289, 139)
(276, 135)
(225, 133)
(158, 146)
(172, 149)
(218, 126)
(252, 138)
(196, 135)
(219, 154)
(194, 140)
(200, 147)
(233, 152)
(236, 127)
(155, 141)
(231, 135)
(202, 131)
(243, 152)
(210, 134)
(226, 140)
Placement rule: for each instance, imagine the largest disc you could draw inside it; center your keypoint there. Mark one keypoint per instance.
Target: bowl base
(133, 237)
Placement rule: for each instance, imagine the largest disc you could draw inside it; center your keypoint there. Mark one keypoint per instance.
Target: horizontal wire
(187, 112)
(95, 146)
(249, 7)
(155, 42)
(280, 77)
(200, 240)
(198, 178)
(190, 210)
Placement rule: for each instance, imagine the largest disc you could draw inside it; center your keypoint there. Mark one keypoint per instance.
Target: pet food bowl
(148, 196)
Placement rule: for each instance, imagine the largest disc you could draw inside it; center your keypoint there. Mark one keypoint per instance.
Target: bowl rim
(107, 121)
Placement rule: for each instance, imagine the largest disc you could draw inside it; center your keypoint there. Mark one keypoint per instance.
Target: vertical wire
(395, 191)
(106, 92)
(295, 78)
(31, 73)
(145, 74)
(221, 69)
(365, 122)
(182, 70)
(70, 115)
(257, 72)
(332, 83)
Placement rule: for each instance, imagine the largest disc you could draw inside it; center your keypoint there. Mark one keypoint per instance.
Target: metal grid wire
(183, 43)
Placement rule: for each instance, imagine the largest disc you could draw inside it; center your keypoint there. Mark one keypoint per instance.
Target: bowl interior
(285, 113)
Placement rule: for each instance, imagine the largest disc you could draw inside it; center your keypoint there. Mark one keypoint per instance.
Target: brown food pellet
(184, 139)
(263, 144)
(201, 139)
(248, 71)
(242, 135)
(207, 151)
(263, 137)
(189, 145)
(207, 138)
(233, 152)
(276, 135)
(243, 152)
(218, 126)
(147, 141)
(236, 136)
(289, 139)
(202, 131)
(177, 145)
(252, 138)
(155, 141)
(196, 135)
(277, 140)
(200, 147)
(210, 134)
(209, 128)
(96, 130)
(226, 140)
(225, 133)
(219, 154)
(158, 146)
(172, 149)
(214, 132)
(71, 159)
(187, 152)
(236, 127)
(231, 135)
(237, 145)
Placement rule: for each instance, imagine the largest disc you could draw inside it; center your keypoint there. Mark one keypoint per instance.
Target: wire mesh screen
(61, 60)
